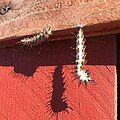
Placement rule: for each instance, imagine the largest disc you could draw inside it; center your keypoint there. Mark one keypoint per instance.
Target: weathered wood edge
(98, 19)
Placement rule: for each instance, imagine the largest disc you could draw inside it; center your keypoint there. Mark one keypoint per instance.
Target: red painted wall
(42, 86)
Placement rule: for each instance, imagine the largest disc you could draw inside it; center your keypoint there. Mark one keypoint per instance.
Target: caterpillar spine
(82, 74)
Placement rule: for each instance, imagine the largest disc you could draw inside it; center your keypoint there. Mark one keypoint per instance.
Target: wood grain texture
(32, 85)
(31, 16)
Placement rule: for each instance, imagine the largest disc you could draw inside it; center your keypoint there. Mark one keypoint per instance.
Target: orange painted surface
(36, 86)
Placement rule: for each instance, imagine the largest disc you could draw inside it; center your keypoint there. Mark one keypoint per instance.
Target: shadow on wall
(57, 102)
(26, 61)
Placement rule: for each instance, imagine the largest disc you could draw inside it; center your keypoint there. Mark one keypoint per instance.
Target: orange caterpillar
(36, 39)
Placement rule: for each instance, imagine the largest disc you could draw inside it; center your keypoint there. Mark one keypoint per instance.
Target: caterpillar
(4, 9)
(82, 74)
(36, 39)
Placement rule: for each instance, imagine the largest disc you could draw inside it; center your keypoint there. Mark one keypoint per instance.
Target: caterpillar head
(47, 32)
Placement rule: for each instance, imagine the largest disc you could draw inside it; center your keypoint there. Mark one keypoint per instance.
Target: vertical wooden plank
(42, 86)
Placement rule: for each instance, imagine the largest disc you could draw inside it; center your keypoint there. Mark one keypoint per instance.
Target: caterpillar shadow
(58, 101)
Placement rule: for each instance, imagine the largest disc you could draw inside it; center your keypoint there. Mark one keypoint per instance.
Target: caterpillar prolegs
(82, 74)
(36, 39)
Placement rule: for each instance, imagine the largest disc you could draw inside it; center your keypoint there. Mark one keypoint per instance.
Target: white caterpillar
(36, 39)
(82, 74)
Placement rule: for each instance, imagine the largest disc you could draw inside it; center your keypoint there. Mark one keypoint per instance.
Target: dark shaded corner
(26, 60)
(118, 72)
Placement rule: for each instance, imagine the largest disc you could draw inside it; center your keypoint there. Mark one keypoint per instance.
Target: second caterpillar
(36, 39)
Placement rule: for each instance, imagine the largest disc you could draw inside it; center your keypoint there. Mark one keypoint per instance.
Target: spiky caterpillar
(36, 39)
(82, 74)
